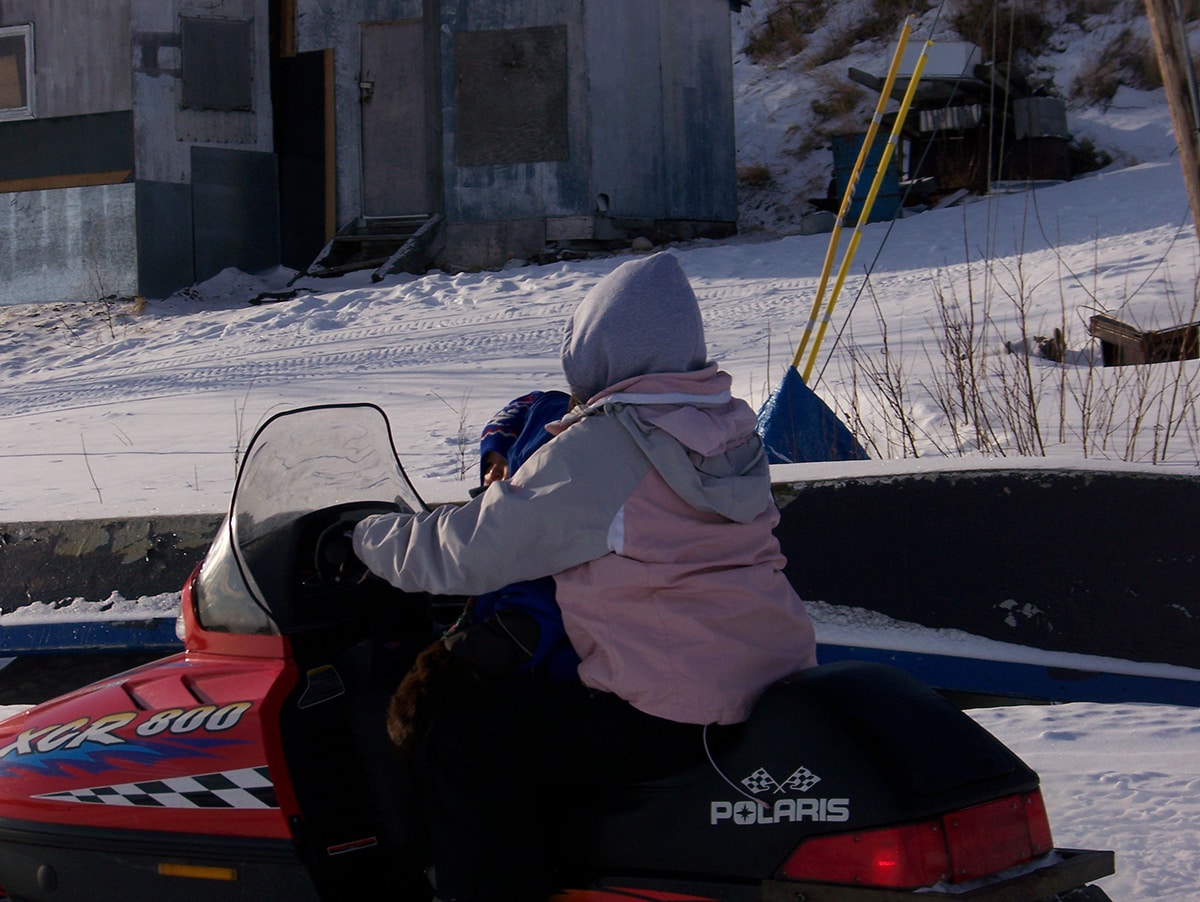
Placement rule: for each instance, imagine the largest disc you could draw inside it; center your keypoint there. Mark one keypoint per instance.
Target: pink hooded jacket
(652, 508)
(689, 617)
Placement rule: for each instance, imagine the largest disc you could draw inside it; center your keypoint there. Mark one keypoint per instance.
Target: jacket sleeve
(557, 513)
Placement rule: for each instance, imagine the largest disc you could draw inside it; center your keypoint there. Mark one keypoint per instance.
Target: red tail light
(955, 847)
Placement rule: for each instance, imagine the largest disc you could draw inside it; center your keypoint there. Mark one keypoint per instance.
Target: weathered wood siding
(66, 220)
(527, 189)
(649, 107)
(167, 133)
(82, 54)
(164, 130)
(661, 109)
(323, 26)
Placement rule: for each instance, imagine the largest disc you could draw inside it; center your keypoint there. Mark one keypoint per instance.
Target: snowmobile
(254, 765)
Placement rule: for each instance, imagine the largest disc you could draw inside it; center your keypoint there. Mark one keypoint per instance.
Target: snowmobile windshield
(298, 464)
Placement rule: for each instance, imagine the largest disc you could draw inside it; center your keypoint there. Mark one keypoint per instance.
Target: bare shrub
(1126, 408)
(881, 373)
(811, 139)
(1086, 156)
(1129, 59)
(841, 41)
(1020, 402)
(463, 441)
(957, 388)
(785, 31)
(754, 175)
(996, 27)
(836, 99)
(1079, 11)
(884, 17)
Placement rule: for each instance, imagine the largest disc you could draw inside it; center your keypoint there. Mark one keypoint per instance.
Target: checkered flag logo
(249, 787)
(802, 780)
(760, 781)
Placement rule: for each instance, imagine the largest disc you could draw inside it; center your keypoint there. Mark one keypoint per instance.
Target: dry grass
(1005, 30)
(1017, 394)
(836, 99)
(754, 175)
(786, 29)
(1129, 59)
(1079, 11)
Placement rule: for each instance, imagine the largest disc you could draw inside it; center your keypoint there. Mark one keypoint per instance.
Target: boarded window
(16, 72)
(510, 96)
(218, 65)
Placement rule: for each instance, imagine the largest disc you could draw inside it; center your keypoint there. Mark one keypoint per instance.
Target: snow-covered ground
(112, 410)
(108, 411)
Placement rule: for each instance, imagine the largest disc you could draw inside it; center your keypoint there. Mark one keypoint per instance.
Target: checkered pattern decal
(801, 780)
(250, 787)
(760, 781)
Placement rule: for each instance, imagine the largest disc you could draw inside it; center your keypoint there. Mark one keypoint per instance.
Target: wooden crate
(1122, 344)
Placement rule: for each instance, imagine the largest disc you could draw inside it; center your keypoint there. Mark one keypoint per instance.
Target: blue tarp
(797, 427)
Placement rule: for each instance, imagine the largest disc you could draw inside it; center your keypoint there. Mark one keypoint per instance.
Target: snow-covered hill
(790, 103)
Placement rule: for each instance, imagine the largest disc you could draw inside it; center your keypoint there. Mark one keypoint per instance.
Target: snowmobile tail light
(956, 847)
(197, 871)
(1039, 822)
(989, 838)
(898, 857)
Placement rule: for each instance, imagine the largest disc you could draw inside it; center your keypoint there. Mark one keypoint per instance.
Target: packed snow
(115, 408)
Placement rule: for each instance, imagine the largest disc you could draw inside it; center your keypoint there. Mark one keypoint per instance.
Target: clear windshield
(300, 461)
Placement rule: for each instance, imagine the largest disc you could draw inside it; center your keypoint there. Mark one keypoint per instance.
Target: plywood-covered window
(510, 96)
(218, 65)
(16, 72)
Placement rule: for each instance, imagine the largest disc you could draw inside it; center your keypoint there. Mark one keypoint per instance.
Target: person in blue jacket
(514, 433)
(514, 630)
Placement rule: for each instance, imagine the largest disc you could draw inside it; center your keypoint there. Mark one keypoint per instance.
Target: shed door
(396, 171)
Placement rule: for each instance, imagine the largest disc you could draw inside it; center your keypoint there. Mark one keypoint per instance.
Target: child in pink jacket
(652, 509)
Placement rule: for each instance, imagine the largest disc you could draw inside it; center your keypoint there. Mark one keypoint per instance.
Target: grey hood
(641, 318)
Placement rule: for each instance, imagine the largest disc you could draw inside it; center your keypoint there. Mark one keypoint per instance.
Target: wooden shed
(524, 124)
(149, 144)
(976, 126)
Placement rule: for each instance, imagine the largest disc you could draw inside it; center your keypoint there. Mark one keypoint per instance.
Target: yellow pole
(880, 172)
(873, 129)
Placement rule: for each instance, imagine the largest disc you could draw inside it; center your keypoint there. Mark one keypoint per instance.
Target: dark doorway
(300, 88)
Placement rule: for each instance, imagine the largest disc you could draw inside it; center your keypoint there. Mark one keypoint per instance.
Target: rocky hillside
(793, 92)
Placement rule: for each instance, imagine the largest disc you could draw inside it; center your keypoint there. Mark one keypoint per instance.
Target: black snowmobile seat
(849, 745)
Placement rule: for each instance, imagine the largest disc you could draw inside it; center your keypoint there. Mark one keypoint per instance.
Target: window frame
(29, 110)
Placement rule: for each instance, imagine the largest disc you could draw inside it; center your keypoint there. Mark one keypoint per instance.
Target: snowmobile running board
(968, 678)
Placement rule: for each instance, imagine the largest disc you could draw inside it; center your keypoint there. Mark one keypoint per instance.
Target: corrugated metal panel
(954, 117)
(626, 108)
(1040, 117)
(83, 54)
